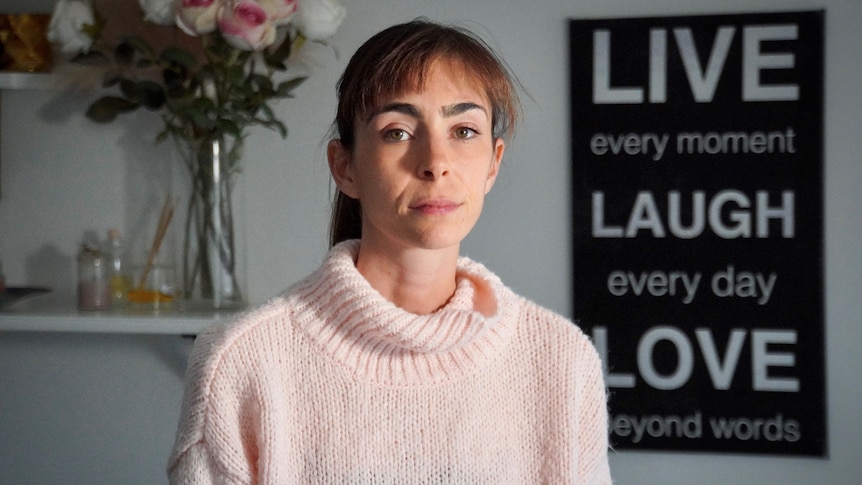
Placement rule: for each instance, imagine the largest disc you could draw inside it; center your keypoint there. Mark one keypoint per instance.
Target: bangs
(411, 78)
(398, 61)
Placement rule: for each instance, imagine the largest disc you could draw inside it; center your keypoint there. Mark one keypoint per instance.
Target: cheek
(373, 180)
(484, 175)
(362, 166)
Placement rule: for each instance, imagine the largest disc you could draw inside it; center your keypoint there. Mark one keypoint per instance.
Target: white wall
(101, 409)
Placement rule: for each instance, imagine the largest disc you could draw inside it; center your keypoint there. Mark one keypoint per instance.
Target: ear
(494, 169)
(340, 168)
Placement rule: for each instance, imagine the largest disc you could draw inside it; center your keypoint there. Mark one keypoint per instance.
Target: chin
(441, 241)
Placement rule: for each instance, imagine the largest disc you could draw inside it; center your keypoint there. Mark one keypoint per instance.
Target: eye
(396, 134)
(465, 133)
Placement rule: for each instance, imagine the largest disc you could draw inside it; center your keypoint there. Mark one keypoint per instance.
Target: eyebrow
(459, 108)
(414, 112)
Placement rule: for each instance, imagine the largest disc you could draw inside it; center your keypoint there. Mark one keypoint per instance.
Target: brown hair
(395, 61)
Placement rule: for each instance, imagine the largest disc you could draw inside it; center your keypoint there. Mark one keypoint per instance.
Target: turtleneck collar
(374, 339)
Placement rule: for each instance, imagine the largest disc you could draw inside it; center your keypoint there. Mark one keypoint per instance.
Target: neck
(419, 281)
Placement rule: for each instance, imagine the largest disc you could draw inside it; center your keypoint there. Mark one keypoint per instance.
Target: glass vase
(209, 250)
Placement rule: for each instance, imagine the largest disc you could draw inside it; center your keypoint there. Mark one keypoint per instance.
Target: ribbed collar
(376, 340)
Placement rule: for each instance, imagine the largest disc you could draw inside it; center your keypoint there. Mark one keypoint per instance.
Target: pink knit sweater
(332, 384)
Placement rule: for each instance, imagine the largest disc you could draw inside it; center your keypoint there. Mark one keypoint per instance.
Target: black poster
(697, 147)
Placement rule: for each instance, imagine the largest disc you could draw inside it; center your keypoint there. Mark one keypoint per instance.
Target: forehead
(438, 72)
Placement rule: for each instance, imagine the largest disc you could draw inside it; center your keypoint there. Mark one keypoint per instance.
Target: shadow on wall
(174, 353)
(50, 268)
(152, 171)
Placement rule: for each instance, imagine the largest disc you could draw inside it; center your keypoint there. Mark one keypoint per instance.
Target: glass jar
(118, 270)
(94, 279)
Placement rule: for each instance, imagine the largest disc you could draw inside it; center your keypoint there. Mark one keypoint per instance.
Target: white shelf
(27, 80)
(43, 314)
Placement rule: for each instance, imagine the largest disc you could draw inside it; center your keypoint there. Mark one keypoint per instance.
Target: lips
(435, 206)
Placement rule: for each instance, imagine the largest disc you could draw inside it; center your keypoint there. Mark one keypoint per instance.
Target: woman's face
(422, 164)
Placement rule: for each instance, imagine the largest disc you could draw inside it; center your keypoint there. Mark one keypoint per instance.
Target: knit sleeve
(211, 439)
(593, 468)
(196, 466)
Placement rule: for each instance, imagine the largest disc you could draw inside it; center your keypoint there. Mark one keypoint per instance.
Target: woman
(399, 361)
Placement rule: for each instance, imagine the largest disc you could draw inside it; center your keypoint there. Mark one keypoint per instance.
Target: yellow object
(148, 296)
(25, 46)
(119, 288)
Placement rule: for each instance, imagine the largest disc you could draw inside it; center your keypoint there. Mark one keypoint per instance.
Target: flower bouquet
(210, 69)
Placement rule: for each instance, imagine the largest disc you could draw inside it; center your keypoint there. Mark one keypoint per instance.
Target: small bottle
(120, 283)
(94, 288)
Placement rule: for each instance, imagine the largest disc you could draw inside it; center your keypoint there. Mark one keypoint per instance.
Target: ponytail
(346, 220)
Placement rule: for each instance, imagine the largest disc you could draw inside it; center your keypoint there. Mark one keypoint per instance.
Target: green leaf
(92, 58)
(140, 45)
(271, 122)
(269, 115)
(111, 79)
(162, 136)
(206, 71)
(236, 75)
(229, 127)
(179, 57)
(151, 94)
(200, 121)
(178, 97)
(285, 88)
(147, 93)
(203, 104)
(261, 81)
(124, 54)
(277, 58)
(107, 108)
(127, 87)
(199, 113)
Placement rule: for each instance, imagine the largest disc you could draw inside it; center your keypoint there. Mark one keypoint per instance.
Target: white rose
(67, 26)
(196, 17)
(161, 12)
(319, 19)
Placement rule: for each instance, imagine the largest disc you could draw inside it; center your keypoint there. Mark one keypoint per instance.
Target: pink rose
(197, 17)
(282, 10)
(246, 25)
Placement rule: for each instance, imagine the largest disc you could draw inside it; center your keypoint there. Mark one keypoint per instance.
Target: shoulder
(554, 334)
(230, 349)
(535, 324)
(225, 334)
(534, 317)
(549, 321)
(223, 356)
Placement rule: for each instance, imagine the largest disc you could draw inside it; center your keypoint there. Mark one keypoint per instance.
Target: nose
(434, 159)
